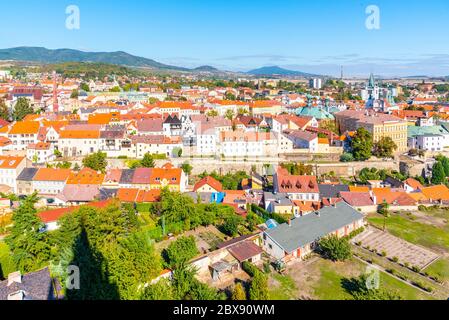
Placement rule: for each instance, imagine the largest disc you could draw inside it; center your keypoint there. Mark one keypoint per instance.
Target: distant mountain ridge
(276, 70)
(43, 55)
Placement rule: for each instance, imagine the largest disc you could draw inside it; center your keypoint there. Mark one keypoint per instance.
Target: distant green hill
(90, 70)
(275, 70)
(43, 55)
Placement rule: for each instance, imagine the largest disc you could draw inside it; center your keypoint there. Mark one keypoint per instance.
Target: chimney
(14, 277)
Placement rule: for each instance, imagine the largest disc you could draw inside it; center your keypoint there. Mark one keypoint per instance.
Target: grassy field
(282, 287)
(415, 232)
(6, 264)
(440, 269)
(329, 286)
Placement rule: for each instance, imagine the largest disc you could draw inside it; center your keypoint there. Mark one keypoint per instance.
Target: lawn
(414, 232)
(329, 286)
(440, 269)
(6, 264)
(282, 287)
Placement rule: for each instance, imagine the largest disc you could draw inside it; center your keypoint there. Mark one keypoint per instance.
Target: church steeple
(371, 82)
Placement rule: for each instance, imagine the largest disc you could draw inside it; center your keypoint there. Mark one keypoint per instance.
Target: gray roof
(332, 190)
(127, 176)
(311, 227)
(106, 193)
(35, 285)
(27, 174)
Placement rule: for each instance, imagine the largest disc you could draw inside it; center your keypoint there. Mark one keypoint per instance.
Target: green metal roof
(413, 131)
(316, 112)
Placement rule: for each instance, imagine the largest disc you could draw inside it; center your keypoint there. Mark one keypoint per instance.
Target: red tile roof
(295, 184)
(210, 181)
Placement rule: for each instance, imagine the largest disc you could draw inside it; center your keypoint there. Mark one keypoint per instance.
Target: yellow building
(378, 124)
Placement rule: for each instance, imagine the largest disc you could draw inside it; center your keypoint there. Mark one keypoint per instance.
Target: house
(279, 203)
(248, 144)
(155, 144)
(41, 152)
(439, 193)
(77, 194)
(363, 201)
(296, 239)
(412, 185)
(169, 177)
(303, 140)
(126, 178)
(332, 191)
(86, 176)
(208, 184)
(75, 143)
(297, 187)
(50, 181)
(141, 178)
(398, 200)
(38, 285)
(24, 133)
(10, 168)
(112, 178)
(25, 181)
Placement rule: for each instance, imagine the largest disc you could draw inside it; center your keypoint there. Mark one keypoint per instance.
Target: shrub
(415, 269)
(384, 254)
(334, 248)
(346, 157)
(395, 259)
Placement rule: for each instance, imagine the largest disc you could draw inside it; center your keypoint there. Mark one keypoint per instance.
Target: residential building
(298, 238)
(10, 168)
(297, 187)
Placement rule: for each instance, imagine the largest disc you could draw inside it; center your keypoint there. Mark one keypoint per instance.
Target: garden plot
(395, 248)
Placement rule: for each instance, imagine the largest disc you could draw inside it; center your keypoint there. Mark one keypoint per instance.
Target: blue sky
(314, 36)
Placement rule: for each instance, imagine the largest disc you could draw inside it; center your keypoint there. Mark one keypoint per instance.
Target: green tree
(115, 89)
(161, 290)
(258, 289)
(75, 94)
(29, 246)
(229, 114)
(239, 292)
(132, 262)
(4, 111)
(212, 113)
(187, 168)
(346, 157)
(85, 87)
(445, 164)
(362, 145)
(148, 161)
(385, 147)
(21, 109)
(335, 248)
(359, 289)
(231, 225)
(96, 161)
(179, 252)
(438, 174)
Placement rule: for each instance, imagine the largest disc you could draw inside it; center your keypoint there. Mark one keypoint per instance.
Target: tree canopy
(21, 109)
(362, 145)
(96, 161)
